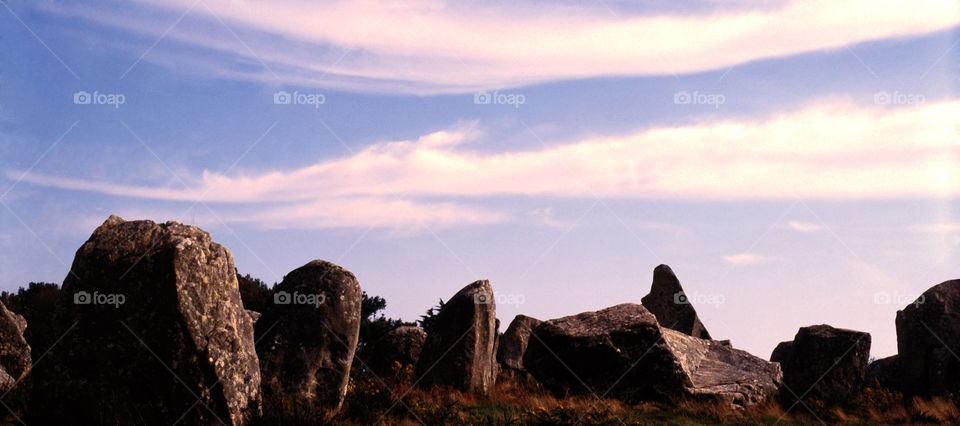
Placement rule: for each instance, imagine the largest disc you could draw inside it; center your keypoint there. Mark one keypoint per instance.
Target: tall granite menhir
(670, 305)
(928, 339)
(459, 351)
(309, 336)
(154, 332)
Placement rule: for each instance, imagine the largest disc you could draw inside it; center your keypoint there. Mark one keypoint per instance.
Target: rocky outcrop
(824, 363)
(718, 372)
(459, 350)
(402, 345)
(513, 344)
(14, 350)
(885, 373)
(670, 305)
(928, 337)
(154, 331)
(309, 336)
(622, 352)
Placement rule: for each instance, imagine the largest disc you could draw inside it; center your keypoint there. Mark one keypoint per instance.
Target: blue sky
(795, 162)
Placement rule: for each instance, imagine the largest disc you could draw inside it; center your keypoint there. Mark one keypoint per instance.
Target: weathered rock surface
(459, 352)
(824, 363)
(670, 305)
(885, 373)
(402, 344)
(495, 366)
(719, 372)
(14, 351)
(154, 332)
(513, 344)
(309, 336)
(928, 336)
(622, 352)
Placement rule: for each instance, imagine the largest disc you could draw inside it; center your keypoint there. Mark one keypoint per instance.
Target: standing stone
(670, 305)
(154, 331)
(459, 350)
(928, 339)
(495, 367)
(824, 363)
(402, 344)
(14, 350)
(513, 344)
(623, 353)
(885, 373)
(309, 336)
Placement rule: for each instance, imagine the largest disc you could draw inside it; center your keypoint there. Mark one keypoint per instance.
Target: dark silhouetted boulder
(154, 332)
(928, 341)
(14, 350)
(670, 305)
(781, 352)
(824, 363)
(513, 344)
(885, 373)
(400, 345)
(622, 352)
(459, 348)
(309, 336)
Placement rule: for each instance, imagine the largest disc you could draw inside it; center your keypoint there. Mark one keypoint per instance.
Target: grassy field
(369, 398)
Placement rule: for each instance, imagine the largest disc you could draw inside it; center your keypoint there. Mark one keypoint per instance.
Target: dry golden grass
(509, 403)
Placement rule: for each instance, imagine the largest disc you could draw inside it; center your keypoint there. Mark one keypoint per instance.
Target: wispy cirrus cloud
(804, 227)
(743, 259)
(939, 228)
(825, 151)
(438, 46)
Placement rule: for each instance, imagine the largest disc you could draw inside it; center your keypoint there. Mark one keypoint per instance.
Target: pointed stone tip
(113, 220)
(663, 269)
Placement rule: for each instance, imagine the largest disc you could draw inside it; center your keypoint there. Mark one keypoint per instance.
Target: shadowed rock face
(824, 363)
(513, 343)
(623, 353)
(459, 352)
(781, 352)
(928, 336)
(402, 344)
(669, 304)
(885, 373)
(309, 336)
(14, 350)
(154, 332)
